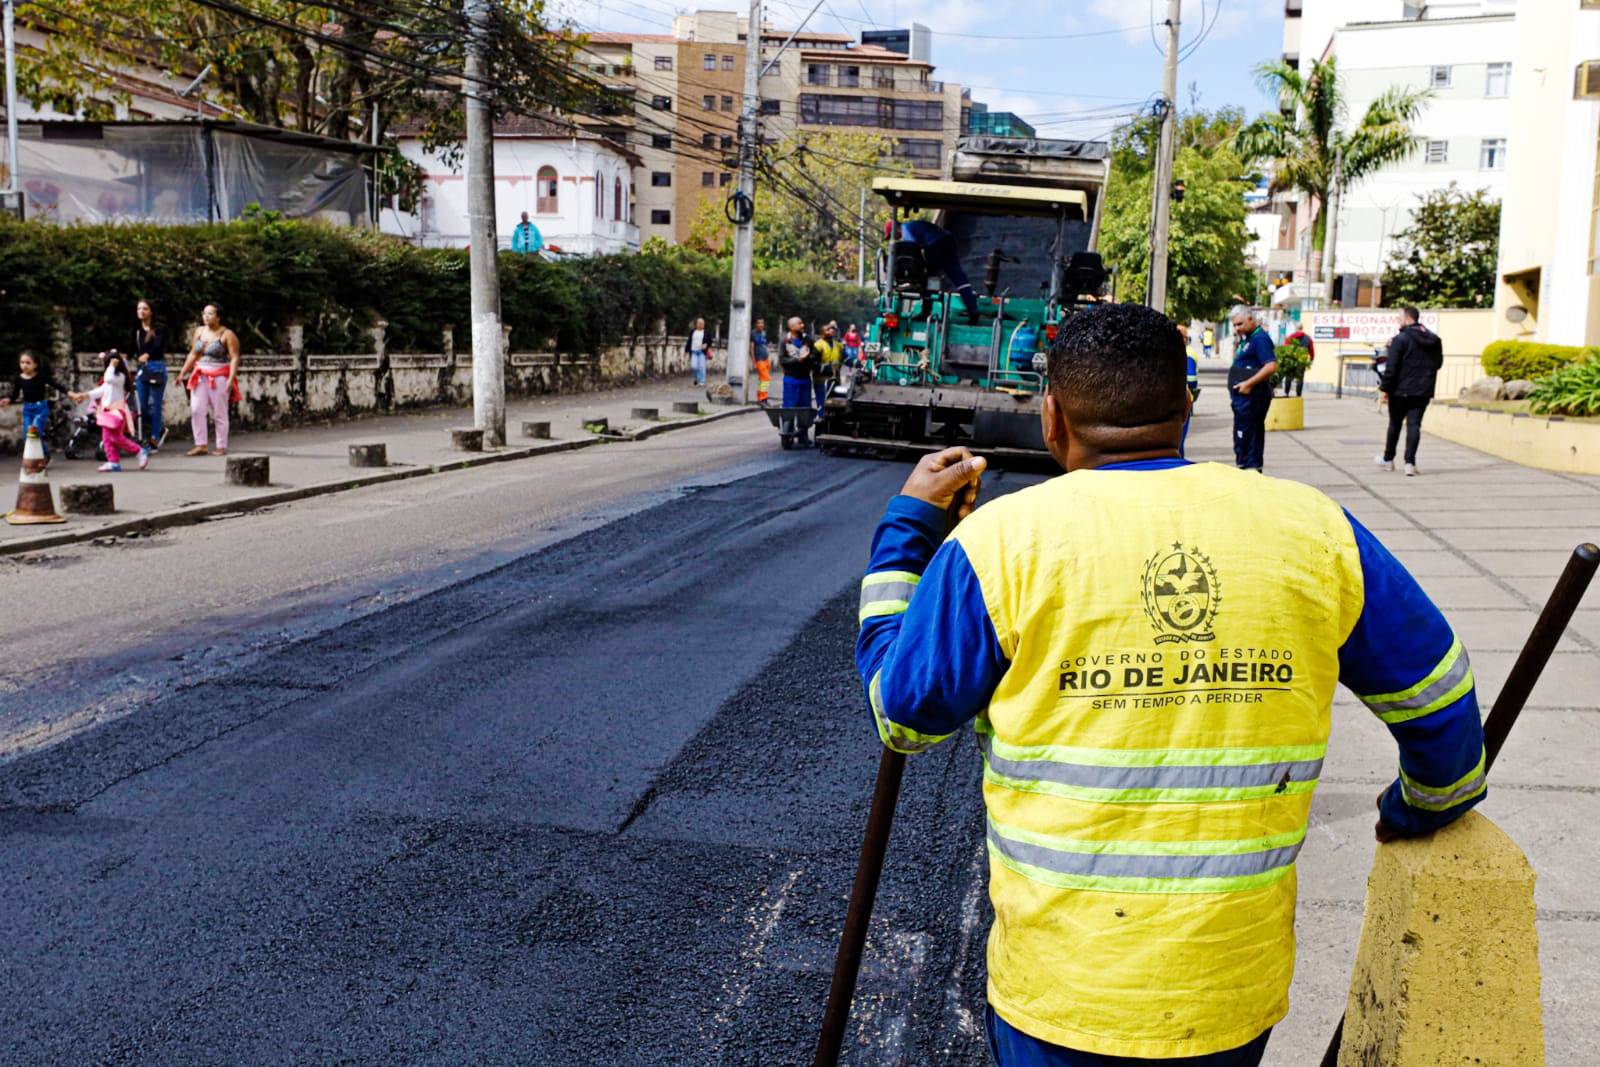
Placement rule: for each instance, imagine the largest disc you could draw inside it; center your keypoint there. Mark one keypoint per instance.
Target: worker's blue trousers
(1250, 426)
(1011, 1047)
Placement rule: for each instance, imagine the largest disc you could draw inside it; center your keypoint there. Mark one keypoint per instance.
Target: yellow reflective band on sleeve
(1193, 866)
(1447, 683)
(1443, 798)
(886, 593)
(899, 738)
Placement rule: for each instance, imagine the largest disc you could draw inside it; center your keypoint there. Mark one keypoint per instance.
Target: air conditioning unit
(1586, 85)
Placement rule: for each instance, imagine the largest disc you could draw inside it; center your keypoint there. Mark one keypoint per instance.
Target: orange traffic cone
(35, 502)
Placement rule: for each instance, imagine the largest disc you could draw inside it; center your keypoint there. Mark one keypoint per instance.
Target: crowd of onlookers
(126, 406)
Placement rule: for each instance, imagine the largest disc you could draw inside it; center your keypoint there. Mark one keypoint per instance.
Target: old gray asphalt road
(496, 770)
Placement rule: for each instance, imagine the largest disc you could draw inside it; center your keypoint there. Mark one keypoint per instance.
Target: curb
(188, 516)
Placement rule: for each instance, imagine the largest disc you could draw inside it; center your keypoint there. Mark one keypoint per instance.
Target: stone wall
(280, 390)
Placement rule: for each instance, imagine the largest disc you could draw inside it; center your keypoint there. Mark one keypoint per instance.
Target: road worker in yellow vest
(1147, 649)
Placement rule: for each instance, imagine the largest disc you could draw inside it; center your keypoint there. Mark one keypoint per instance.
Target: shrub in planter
(1293, 359)
(1574, 389)
(1512, 360)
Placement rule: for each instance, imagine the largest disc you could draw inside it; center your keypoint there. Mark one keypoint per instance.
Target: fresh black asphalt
(600, 805)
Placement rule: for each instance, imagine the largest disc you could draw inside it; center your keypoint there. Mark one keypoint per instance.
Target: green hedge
(1571, 389)
(267, 273)
(1512, 360)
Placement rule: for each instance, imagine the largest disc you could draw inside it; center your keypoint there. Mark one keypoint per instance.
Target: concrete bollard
(645, 414)
(539, 430)
(88, 499)
(1448, 966)
(369, 455)
(597, 424)
(254, 471)
(466, 440)
(686, 407)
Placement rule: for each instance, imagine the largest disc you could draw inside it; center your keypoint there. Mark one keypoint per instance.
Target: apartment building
(676, 100)
(1461, 52)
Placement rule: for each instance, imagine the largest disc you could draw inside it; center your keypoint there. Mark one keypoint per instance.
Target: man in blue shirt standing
(1250, 387)
(526, 238)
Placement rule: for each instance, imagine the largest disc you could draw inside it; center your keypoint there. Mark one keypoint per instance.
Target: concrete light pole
(488, 361)
(739, 310)
(1161, 191)
(13, 178)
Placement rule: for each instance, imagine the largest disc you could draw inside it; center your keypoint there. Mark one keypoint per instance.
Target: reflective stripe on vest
(1448, 682)
(886, 593)
(1439, 798)
(892, 734)
(1151, 776)
(1146, 866)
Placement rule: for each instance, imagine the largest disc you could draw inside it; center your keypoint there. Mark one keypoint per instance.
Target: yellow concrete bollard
(1448, 968)
(1287, 413)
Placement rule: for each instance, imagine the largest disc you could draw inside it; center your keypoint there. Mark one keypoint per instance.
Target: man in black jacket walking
(1413, 361)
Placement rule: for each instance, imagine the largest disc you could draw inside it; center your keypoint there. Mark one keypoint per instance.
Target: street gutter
(197, 513)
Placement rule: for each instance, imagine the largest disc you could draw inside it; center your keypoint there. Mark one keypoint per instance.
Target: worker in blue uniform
(940, 253)
(1149, 658)
(1250, 387)
(1192, 380)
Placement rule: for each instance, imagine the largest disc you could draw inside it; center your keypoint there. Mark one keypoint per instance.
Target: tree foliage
(1208, 237)
(1448, 255)
(315, 68)
(1303, 140)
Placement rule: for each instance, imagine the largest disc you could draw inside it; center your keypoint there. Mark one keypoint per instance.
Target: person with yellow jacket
(1148, 649)
(830, 355)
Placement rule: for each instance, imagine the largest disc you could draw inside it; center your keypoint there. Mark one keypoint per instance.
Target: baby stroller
(83, 434)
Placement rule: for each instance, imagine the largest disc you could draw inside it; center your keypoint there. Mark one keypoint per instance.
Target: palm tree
(1307, 143)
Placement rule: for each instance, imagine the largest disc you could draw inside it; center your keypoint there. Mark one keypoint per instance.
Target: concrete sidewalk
(313, 460)
(1486, 539)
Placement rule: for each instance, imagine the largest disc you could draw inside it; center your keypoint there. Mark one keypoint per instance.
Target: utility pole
(1161, 191)
(861, 242)
(739, 309)
(488, 362)
(13, 177)
(1330, 246)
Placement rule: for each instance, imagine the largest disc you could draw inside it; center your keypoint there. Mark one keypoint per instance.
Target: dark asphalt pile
(599, 806)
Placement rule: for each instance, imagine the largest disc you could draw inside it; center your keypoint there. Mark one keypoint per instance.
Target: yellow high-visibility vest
(1151, 752)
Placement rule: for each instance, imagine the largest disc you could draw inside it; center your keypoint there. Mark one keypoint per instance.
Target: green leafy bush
(1293, 358)
(1573, 389)
(267, 273)
(1529, 360)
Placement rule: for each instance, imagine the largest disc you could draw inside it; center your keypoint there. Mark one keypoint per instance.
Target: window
(663, 62)
(918, 115)
(727, 62)
(547, 192)
(708, 102)
(1439, 78)
(883, 77)
(727, 103)
(771, 107)
(660, 217)
(924, 155)
(724, 178)
(1437, 152)
(599, 197)
(708, 140)
(725, 142)
(818, 74)
(616, 198)
(1492, 153)
(708, 178)
(662, 141)
(777, 68)
(661, 103)
(661, 179)
(849, 77)
(710, 62)
(839, 110)
(1498, 80)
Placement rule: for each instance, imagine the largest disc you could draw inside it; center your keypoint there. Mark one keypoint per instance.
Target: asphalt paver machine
(1024, 216)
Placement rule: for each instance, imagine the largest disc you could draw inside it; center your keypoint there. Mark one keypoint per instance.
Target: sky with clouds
(1074, 68)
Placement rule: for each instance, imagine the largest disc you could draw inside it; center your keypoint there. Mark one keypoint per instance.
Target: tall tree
(316, 68)
(1303, 139)
(1208, 238)
(1447, 257)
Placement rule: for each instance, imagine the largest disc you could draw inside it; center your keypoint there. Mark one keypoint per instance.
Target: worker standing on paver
(1150, 648)
(1250, 383)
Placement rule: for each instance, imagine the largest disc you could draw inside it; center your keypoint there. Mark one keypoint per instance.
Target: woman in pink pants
(211, 372)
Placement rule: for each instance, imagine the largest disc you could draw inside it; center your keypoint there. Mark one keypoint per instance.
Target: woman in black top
(150, 385)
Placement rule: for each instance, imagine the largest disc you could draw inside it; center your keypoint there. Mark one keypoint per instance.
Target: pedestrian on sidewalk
(762, 360)
(211, 373)
(31, 387)
(1128, 931)
(1304, 339)
(825, 369)
(1250, 386)
(526, 238)
(1208, 340)
(1410, 374)
(852, 345)
(696, 347)
(797, 359)
(113, 414)
(150, 380)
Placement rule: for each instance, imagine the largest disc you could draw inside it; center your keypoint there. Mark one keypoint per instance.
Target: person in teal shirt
(526, 238)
